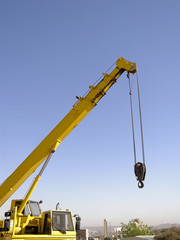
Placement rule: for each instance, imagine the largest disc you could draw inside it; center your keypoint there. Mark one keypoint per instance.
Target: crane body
(25, 220)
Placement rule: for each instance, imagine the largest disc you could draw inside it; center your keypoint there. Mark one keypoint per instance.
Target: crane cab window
(31, 208)
(62, 221)
(35, 209)
(26, 210)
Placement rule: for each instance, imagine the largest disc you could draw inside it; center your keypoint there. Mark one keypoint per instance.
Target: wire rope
(132, 118)
(140, 115)
(139, 167)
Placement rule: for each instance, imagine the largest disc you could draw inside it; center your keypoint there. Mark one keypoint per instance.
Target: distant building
(100, 237)
(105, 228)
(117, 232)
(82, 234)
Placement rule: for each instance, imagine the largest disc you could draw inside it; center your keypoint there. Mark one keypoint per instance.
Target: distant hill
(100, 229)
(97, 229)
(165, 226)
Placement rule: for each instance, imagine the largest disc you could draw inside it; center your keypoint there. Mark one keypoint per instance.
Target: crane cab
(33, 222)
(58, 222)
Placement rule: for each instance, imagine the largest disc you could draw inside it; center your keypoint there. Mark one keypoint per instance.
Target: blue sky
(50, 52)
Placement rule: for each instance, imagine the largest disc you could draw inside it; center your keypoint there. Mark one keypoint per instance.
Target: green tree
(135, 228)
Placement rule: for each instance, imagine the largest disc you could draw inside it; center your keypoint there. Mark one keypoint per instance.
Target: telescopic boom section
(81, 108)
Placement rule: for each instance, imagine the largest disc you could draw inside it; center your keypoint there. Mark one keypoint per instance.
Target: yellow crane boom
(81, 108)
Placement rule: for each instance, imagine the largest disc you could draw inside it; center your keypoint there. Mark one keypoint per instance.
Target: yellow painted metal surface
(81, 108)
(28, 194)
(19, 224)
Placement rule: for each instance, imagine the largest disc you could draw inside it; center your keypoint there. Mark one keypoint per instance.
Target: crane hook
(140, 184)
(140, 172)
